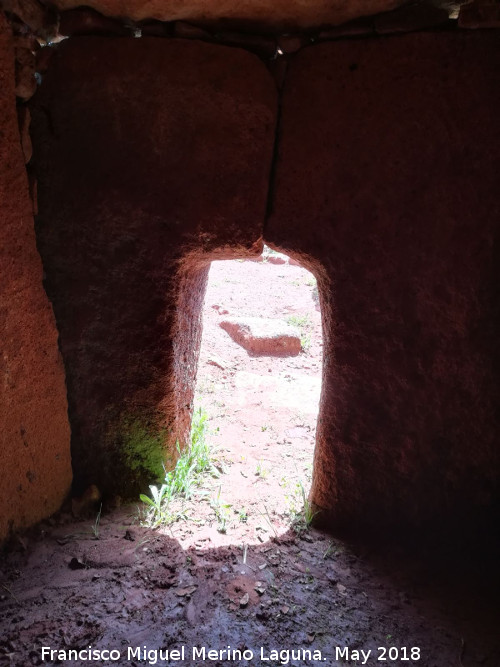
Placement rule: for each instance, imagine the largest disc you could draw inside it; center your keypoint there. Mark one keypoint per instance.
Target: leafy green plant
(222, 511)
(159, 503)
(300, 510)
(305, 342)
(181, 483)
(307, 513)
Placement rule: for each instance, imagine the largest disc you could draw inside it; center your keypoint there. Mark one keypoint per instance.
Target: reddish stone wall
(284, 13)
(387, 175)
(151, 155)
(154, 154)
(34, 433)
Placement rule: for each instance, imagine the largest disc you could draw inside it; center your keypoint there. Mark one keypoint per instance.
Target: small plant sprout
(222, 511)
(260, 471)
(328, 551)
(95, 527)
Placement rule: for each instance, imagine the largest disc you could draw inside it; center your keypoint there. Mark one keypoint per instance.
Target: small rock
(182, 592)
(259, 588)
(341, 589)
(76, 564)
(285, 609)
(215, 360)
(244, 601)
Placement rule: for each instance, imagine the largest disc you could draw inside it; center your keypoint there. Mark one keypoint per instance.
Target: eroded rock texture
(153, 158)
(34, 432)
(387, 175)
(283, 13)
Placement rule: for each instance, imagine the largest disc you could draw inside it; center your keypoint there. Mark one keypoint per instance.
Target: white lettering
(351, 655)
(365, 655)
(199, 652)
(134, 653)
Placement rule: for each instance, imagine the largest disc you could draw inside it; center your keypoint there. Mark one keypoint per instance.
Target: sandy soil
(251, 582)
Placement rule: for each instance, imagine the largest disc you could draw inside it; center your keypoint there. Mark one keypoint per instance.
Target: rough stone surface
(283, 13)
(30, 12)
(414, 16)
(263, 336)
(34, 429)
(480, 14)
(153, 157)
(85, 21)
(387, 183)
(24, 119)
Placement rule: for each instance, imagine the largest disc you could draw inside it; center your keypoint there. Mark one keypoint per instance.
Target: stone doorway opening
(257, 391)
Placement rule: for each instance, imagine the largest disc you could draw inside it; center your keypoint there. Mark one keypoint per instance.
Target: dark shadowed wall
(152, 156)
(389, 157)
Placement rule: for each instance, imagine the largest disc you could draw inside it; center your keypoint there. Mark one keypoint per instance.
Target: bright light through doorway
(261, 409)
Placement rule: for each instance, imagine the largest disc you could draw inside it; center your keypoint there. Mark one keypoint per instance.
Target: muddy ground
(241, 569)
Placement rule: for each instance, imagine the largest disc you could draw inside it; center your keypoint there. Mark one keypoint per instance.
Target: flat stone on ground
(263, 336)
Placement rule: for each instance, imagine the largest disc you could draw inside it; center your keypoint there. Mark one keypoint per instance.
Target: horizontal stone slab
(264, 336)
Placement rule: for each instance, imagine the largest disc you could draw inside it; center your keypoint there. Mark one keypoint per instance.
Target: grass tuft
(181, 483)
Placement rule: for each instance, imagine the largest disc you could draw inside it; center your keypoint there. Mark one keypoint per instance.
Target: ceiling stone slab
(276, 13)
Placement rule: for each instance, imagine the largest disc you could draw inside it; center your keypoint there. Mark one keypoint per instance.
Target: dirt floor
(241, 571)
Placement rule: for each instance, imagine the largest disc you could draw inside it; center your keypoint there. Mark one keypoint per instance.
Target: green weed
(304, 324)
(301, 321)
(310, 280)
(222, 511)
(181, 483)
(261, 471)
(300, 510)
